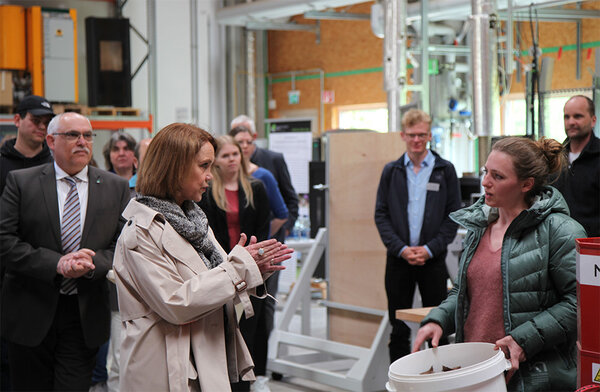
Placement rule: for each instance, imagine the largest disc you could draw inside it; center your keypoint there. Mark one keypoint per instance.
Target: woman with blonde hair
(516, 284)
(177, 287)
(237, 203)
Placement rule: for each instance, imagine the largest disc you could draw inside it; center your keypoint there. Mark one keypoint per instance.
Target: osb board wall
(344, 46)
(356, 254)
(561, 34)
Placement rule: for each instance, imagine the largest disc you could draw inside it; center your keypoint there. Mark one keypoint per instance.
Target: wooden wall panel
(356, 254)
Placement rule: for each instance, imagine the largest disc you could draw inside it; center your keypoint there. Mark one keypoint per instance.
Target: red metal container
(588, 293)
(588, 367)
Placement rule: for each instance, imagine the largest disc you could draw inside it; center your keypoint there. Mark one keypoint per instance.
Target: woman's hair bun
(553, 151)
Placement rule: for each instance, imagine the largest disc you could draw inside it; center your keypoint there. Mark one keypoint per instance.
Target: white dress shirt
(63, 187)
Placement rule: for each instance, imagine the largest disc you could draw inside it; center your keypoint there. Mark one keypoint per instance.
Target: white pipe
(483, 59)
(390, 62)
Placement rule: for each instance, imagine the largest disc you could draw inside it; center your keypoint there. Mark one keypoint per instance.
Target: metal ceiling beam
(281, 26)
(266, 10)
(332, 15)
(240, 14)
(461, 9)
(567, 15)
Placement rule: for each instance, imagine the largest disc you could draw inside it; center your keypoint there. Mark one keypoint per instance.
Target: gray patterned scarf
(190, 222)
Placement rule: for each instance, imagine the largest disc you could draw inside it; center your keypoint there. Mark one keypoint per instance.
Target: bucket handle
(507, 364)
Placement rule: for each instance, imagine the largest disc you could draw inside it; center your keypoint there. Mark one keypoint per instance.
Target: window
(515, 115)
(367, 116)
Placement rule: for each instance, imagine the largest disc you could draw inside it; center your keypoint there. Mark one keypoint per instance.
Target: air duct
(484, 67)
(394, 59)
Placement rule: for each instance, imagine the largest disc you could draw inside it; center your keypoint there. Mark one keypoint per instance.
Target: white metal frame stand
(341, 365)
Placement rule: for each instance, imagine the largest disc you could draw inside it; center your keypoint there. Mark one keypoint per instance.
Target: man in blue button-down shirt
(415, 195)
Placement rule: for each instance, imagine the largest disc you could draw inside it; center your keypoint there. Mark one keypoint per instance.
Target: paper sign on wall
(296, 147)
(328, 96)
(293, 97)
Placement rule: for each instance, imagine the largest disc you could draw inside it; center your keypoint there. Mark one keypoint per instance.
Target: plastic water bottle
(303, 218)
(304, 227)
(296, 230)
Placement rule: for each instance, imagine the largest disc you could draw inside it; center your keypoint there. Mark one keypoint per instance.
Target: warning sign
(588, 270)
(596, 372)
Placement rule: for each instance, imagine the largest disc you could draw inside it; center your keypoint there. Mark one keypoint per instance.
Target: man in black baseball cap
(29, 148)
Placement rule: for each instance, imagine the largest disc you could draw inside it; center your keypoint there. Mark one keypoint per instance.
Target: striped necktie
(70, 231)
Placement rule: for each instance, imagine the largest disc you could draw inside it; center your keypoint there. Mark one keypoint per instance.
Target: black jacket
(580, 186)
(11, 159)
(275, 163)
(253, 221)
(391, 216)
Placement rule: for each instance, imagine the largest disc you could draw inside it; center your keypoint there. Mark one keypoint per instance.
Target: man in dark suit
(28, 149)
(59, 223)
(243, 131)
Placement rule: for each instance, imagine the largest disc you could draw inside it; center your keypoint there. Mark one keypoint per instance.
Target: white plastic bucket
(481, 369)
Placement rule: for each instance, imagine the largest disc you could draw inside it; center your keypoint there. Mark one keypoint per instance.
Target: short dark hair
(117, 136)
(169, 158)
(591, 106)
(240, 129)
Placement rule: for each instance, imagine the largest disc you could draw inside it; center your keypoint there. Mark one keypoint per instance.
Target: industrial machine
(38, 53)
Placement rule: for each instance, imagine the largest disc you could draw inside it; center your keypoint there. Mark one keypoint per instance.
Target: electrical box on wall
(59, 57)
(108, 61)
(52, 53)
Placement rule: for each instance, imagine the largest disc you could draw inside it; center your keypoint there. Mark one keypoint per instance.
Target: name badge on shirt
(433, 186)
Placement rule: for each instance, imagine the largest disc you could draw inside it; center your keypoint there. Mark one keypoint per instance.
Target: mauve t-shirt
(485, 320)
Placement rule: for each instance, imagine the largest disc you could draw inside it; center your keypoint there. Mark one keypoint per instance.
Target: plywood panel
(356, 253)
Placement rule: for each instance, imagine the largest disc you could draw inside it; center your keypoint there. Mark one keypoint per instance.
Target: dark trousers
(100, 374)
(4, 367)
(400, 281)
(62, 362)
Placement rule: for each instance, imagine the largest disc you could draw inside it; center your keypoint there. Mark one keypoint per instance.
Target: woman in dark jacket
(516, 286)
(236, 203)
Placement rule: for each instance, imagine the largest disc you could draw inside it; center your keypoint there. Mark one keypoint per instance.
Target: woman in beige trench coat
(178, 290)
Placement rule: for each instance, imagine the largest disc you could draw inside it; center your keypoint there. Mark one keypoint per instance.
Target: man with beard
(59, 224)
(580, 182)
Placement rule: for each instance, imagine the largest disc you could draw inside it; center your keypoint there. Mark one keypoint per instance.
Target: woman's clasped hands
(268, 254)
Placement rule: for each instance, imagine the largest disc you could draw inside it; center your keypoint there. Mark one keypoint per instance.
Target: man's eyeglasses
(72, 136)
(420, 136)
(245, 142)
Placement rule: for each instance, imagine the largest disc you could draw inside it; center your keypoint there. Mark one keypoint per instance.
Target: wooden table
(412, 318)
(415, 315)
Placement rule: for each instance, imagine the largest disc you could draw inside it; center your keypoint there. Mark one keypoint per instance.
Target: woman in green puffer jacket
(516, 285)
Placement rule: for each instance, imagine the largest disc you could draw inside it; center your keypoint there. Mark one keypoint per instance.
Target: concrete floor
(318, 317)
